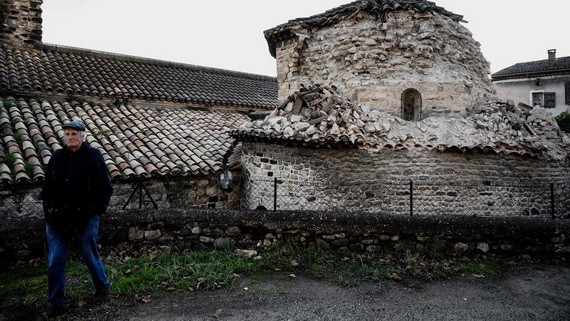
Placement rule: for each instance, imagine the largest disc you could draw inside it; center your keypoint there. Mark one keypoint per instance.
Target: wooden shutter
(549, 100)
(567, 92)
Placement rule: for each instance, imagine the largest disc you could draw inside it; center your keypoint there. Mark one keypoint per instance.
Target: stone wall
(202, 192)
(21, 22)
(358, 232)
(377, 62)
(445, 183)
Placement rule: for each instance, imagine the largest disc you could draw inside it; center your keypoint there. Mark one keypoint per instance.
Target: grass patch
(487, 267)
(22, 285)
(170, 271)
(166, 270)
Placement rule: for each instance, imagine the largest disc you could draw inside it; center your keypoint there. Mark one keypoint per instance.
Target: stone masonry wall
(377, 61)
(444, 183)
(204, 192)
(21, 22)
(248, 231)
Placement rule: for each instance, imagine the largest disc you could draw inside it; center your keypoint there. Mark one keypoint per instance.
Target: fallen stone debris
(317, 115)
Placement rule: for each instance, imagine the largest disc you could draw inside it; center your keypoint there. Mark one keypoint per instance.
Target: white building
(544, 82)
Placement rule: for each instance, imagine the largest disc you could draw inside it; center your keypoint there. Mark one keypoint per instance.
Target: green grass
(168, 271)
(489, 267)
(22, 284)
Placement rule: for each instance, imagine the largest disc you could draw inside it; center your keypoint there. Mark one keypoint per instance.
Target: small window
(542, 99)
(538, 99)
(411, 105)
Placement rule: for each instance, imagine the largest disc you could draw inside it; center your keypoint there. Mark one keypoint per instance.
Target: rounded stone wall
(386, 181)
(377, 62)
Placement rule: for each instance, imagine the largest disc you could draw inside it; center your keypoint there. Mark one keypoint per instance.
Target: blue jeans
(59, 244)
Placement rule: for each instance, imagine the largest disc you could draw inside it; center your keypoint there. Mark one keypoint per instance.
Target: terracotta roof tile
(135, 141)
(75, 71)
(491, 126)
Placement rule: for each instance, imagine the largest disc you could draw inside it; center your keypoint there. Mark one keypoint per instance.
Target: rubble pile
(318, 116)
(315, 114)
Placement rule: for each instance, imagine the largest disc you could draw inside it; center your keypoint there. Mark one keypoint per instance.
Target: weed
(170, 270)
(6, 104)
(102, 133)
(29, 167)
(10, 160)
(18, 137)
(487, 267)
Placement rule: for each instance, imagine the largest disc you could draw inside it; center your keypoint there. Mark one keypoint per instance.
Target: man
(75, 194)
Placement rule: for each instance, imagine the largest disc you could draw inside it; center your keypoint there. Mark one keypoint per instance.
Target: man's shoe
(54, 311)
(100, 297)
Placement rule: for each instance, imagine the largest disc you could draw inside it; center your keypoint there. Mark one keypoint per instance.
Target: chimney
(21, 22)
(551, 54)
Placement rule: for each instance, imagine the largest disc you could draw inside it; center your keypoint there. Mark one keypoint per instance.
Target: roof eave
(530, 74)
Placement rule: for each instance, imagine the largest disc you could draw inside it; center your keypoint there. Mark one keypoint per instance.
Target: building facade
(544, 83)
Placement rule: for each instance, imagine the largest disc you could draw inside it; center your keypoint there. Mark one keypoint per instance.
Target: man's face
(73, 138)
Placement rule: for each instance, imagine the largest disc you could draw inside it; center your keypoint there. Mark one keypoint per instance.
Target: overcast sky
(228, 34)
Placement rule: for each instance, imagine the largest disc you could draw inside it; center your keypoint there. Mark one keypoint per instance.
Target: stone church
(382, 99)
(410, 58)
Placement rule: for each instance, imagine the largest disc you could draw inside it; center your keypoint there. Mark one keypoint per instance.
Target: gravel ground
(537, 293)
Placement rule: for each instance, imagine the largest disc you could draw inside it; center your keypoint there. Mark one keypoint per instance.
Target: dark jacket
(77, 186)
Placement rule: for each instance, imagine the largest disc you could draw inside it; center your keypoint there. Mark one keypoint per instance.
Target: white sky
(228, 34)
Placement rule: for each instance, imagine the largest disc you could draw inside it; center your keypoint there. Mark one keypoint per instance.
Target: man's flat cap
(74, 125)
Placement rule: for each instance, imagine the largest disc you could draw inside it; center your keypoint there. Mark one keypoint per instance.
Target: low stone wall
(23, 227)
(196, 192)
(357, 232)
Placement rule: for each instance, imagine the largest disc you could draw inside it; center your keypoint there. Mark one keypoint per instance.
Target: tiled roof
(379, 7)
(540, 68)
(318, 117)
(136, 141)
(73, 71)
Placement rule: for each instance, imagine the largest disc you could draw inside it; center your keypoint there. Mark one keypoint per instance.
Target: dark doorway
(411, 105)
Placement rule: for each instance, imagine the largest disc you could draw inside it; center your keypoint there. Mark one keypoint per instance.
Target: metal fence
(18, 202)
(410, 198)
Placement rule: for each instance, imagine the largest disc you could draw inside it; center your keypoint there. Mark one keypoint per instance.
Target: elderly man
(75, 194)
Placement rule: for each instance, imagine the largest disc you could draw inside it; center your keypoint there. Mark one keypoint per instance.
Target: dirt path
(528, 294)
(537, 293)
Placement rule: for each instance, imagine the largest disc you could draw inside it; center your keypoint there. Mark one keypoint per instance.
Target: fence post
(552, 200)
(411, 198)
(140, 187)
(275, 194)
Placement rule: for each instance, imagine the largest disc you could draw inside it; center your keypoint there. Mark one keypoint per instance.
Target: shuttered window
(549, 100)
(546, 100)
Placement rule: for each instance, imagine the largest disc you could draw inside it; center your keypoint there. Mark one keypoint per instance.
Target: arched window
(411, 105)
